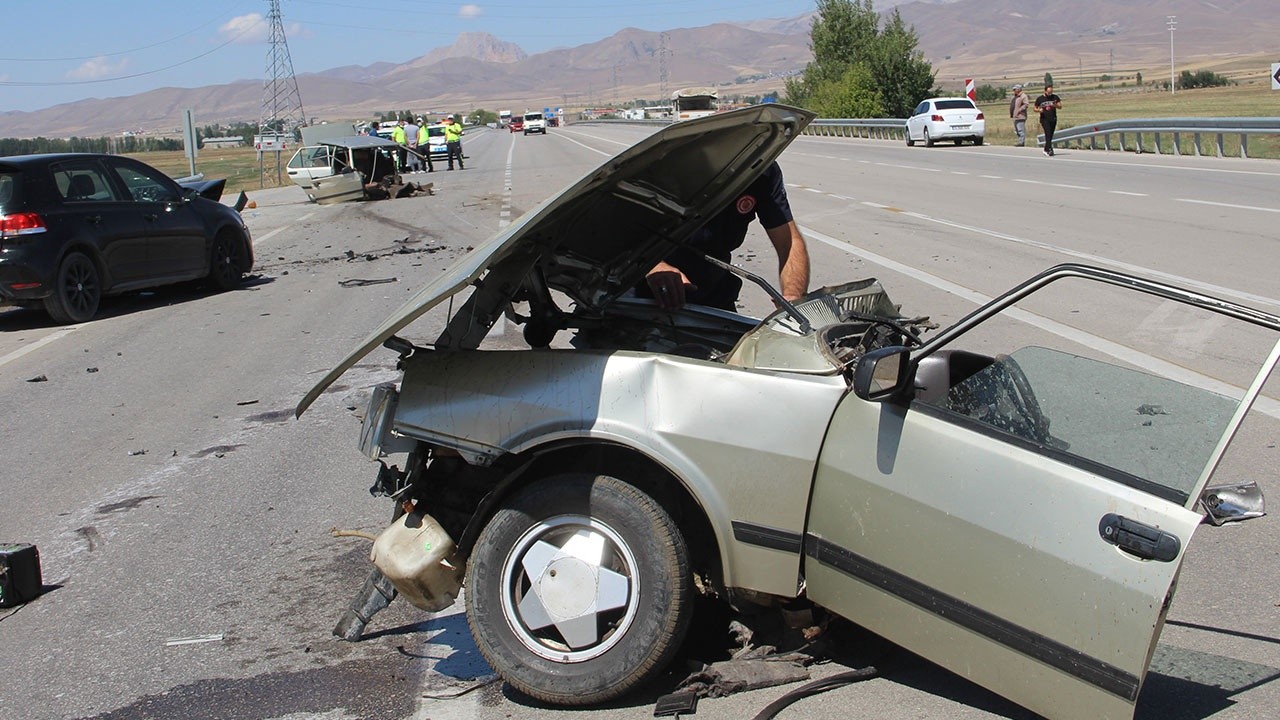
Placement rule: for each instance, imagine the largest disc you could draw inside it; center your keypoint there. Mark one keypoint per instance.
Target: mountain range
(997, 41)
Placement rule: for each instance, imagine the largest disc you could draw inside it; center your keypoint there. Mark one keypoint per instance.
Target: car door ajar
(1021, 520)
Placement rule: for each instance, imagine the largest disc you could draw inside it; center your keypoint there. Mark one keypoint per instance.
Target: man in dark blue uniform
(685, 276)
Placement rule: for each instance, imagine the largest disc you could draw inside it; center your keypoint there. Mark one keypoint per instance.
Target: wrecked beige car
(1010, 497)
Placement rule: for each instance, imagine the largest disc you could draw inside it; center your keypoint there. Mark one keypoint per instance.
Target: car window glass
(954, 105)
(8, 188)
(921, 108)
(82, 182)
(1141, 395)
(146, 184)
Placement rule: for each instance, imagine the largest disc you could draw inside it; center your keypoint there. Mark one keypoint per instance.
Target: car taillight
(25, 223)
(937, 118)
(981, 116)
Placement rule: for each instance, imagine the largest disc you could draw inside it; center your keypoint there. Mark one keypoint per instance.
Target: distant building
(223, 142)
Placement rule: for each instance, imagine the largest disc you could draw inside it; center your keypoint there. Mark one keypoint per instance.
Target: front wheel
(77, 290)
(578, 589)
(907, 134)
(225, 269)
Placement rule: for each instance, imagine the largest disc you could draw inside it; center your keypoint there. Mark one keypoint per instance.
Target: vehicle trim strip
(1089, 669)
(767, 537)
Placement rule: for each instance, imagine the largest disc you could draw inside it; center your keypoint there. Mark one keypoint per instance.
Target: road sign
(1275, 76)
(970, 90)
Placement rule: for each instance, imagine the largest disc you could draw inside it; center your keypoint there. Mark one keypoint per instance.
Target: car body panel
(596, 237)
(958, 123)
(177, 240)
(1057, 620)
(487, 404)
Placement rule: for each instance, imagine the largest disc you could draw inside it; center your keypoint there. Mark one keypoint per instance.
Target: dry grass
(240, 166)
(1086, 104)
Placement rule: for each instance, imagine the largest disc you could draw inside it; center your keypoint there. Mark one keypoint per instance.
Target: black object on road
(19, 574)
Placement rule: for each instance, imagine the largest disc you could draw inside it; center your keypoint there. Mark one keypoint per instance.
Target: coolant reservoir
(414, 553)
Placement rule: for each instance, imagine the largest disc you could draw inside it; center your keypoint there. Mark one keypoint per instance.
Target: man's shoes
(448, 168)
(1046, 152)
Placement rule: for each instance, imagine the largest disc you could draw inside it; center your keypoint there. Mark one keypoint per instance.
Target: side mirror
(1232, 503)
(881, 374)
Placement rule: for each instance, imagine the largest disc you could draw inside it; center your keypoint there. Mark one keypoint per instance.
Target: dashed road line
(1229, 205)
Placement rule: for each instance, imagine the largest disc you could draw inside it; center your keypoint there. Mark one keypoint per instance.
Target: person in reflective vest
(424, 144)
(397, 137)
(453, 141)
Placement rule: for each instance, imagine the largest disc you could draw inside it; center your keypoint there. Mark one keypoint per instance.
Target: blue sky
(124, 47)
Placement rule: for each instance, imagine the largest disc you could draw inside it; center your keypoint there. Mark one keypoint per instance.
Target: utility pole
(1111, 69)
(1173, 81)
(281, 102)
(663, 53)
(282, 109)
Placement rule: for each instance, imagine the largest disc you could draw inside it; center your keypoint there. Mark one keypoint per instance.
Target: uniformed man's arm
(793, 259)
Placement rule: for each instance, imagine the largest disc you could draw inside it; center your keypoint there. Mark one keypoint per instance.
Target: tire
(928, 141)
(226, 270)
(907, 134)
(77, 290)
(642, 579)
(977, 141)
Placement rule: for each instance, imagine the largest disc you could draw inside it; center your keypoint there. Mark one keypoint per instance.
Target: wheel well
(91, 252)
(625, 464)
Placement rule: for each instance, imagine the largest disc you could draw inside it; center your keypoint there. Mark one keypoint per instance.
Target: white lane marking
(816, 190)
(1098, 259)
(260, 240)
(957, 172)
(52, 337)
(306, 217)
(594, 150)
(992, 177)
(1060, 185)
(1229, 205)
(877, 205)
(504, 214)
(564, 133)
(908, 167)
(1130, 194)
(1125, 354)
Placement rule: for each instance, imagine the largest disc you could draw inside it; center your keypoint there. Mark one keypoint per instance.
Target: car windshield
(954, 105)
(435, 131)
(533, 116)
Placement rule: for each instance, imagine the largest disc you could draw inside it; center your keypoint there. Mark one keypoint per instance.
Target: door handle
(150, 217)
(93, 219)
(1139, 539)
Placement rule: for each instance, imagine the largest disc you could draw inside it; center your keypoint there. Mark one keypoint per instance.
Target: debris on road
(38, 378)
(360, 282)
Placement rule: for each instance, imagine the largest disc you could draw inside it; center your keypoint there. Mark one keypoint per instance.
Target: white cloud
(470, 11)
(246, 29)
(98, 68)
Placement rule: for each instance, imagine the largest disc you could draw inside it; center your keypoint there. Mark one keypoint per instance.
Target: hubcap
(569, 589)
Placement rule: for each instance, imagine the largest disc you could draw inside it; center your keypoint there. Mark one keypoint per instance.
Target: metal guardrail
(1141, 128)
(1129, 134)
(872, 128)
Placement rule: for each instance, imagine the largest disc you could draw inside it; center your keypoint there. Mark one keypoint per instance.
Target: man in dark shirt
(1047, 105)
(685, 276)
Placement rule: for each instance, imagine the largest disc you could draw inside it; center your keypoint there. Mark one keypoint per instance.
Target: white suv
(534, 122)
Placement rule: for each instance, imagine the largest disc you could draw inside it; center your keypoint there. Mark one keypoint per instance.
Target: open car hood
(595, 239)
